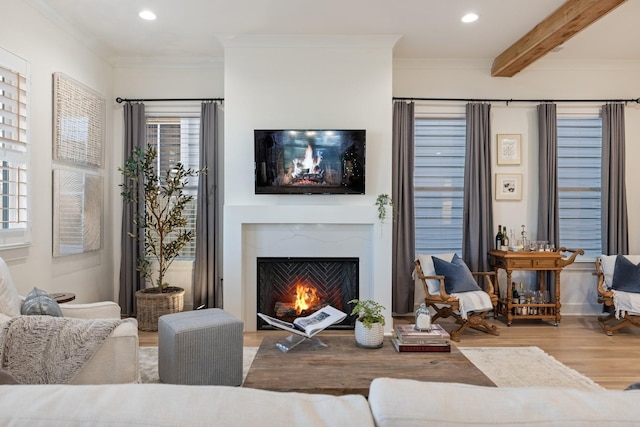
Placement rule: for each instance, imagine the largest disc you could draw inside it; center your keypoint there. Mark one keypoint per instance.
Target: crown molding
(309, 41)
(168, 62)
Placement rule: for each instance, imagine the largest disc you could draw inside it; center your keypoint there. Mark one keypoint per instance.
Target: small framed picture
(509, 147)
(508, 186)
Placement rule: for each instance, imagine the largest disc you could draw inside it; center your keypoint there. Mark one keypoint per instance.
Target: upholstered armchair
(114, 361)
(619, 290)
(450, 289)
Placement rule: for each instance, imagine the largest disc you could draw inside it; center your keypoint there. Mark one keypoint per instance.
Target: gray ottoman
(202, 347)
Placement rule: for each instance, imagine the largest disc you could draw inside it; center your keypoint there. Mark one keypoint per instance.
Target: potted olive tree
(369, 329)
(161, 228)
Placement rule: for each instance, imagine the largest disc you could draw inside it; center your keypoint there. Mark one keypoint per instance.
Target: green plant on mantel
(382, 202)
(162, 220)
(368, 312)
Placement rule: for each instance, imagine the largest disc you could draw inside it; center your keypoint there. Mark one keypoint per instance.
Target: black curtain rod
(121, 100)
(508, 101)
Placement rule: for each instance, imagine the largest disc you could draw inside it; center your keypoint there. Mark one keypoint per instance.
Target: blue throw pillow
(626, 276)
(457, 276)
(38, 302)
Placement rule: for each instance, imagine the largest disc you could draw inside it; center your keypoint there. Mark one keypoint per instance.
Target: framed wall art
(77, 212)
(508, 186)
(509, 148)
(78, 122)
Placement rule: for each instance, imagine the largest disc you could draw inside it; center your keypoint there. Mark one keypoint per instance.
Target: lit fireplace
(304, 301)
(296, 287)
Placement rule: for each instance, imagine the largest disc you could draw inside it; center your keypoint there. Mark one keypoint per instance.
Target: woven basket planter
(151, 304)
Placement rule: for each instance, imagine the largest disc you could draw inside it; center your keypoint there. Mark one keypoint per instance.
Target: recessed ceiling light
(147, 15)
(469, 17)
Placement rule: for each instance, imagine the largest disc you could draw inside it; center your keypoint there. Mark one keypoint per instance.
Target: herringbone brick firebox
(294, 287)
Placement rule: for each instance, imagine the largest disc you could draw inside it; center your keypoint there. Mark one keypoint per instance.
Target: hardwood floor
(578, 342)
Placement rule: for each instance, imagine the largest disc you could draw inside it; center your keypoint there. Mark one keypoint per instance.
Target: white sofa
(392, 402)
(116, 361)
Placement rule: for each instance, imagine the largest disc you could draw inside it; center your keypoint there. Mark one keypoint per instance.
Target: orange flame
(306, 297)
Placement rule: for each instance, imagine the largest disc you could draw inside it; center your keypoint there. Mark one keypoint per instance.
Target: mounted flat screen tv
(309, 161)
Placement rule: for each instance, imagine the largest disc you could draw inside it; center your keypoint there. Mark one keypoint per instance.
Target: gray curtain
(477, 220)
(403, 240)
(131, 280)
(548, 217)
(615, 239)
(207, 287)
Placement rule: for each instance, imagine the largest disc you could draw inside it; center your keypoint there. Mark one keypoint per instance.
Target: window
(579, 183)
(177, 140)
(15, 226)
(439, 184)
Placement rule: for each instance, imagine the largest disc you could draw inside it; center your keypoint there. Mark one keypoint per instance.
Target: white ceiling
(191, 29)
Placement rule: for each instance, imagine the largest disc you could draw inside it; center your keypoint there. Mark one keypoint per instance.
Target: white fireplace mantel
(309, 231)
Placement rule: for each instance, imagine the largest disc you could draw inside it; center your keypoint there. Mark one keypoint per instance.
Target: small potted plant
(370, 322)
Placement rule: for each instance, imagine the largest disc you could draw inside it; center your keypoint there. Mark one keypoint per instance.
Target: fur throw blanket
(50, 350)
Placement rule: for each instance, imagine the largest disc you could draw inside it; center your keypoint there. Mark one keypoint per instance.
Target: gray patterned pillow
(38, 302)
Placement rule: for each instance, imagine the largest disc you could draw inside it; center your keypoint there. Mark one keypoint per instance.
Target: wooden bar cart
(542, 262)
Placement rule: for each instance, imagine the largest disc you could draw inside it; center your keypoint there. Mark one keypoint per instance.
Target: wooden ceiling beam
(565, 22)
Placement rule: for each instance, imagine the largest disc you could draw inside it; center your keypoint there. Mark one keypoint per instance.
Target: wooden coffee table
(343, 368)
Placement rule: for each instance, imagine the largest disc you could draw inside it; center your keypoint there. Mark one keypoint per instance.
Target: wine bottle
(505, 238)
(499, 238)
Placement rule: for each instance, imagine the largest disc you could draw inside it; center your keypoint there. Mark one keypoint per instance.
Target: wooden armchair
(624, 306)
(469, 307)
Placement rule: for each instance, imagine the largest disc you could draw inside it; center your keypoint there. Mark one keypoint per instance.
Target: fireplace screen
(295, 287)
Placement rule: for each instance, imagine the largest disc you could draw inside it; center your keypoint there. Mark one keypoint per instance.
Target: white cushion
(407, 403)
(10, 301)
(608, 264)
(429, 270)
(91, 310)
(4, 318)
(175, 405)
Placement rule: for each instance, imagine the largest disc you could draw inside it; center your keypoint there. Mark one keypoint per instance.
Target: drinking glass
(545, 297)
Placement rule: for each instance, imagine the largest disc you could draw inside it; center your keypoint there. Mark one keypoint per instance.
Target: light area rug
(505, 366)
(525, 367)
(148, 362)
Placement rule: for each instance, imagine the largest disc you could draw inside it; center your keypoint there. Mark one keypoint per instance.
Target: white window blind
(177, 140)
(579, 183)
(15, 229)
(439, 184)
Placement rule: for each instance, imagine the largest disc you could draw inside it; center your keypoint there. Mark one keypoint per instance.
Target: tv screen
(309, 161)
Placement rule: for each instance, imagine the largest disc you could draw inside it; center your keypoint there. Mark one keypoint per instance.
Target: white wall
(301, 83)
(546, 79)
(167, 80)
(49, 49)
(304, 83)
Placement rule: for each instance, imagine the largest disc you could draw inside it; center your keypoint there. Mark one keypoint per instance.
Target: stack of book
(407, 338)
